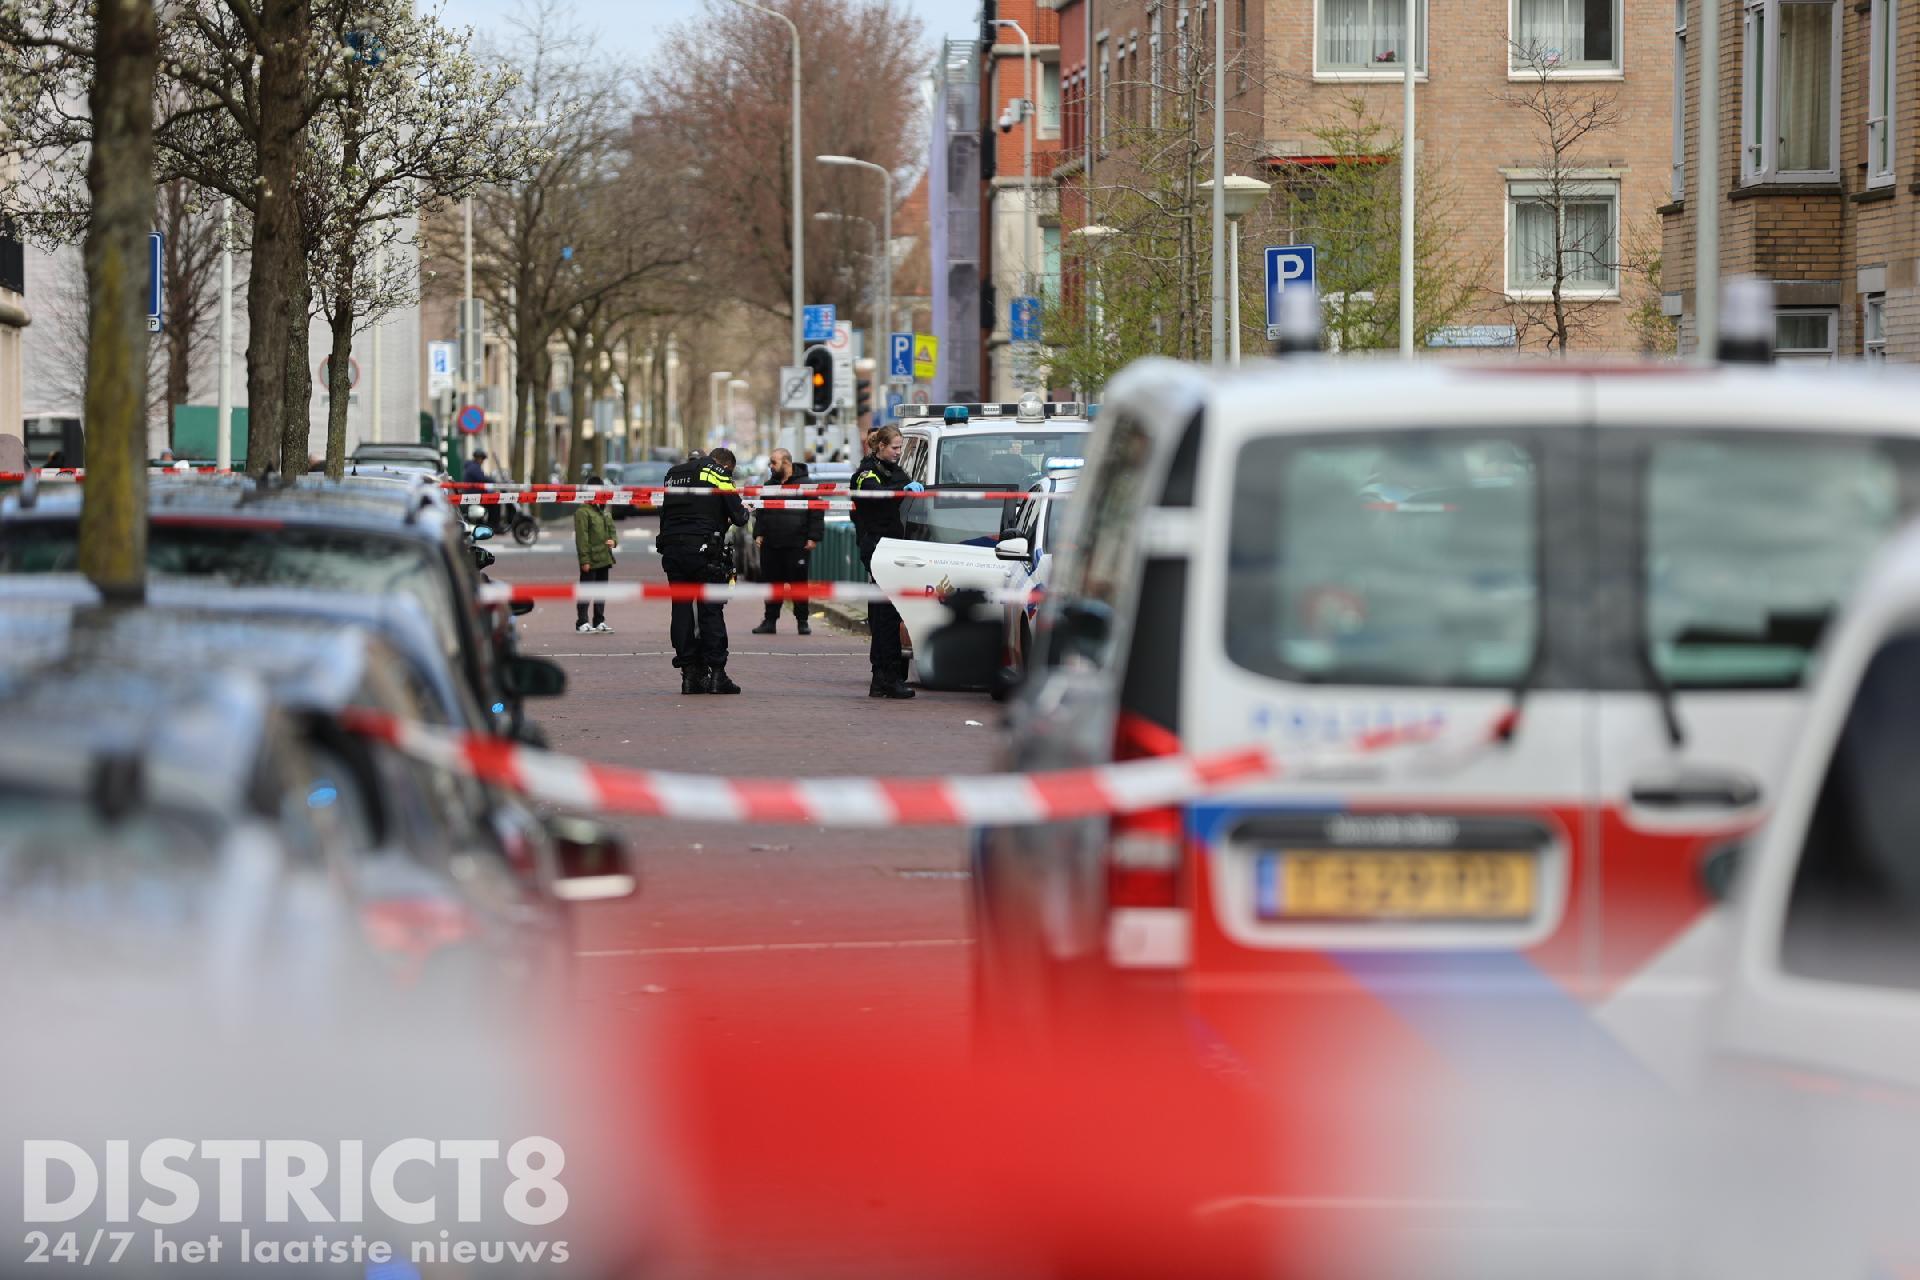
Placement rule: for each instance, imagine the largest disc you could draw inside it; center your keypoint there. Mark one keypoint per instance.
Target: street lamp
(1243, 196)
(873, 233)
(883, 322)
(799, 221)
(1026, 166)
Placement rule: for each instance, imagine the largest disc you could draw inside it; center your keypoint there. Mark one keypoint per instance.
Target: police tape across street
(644, 495)
(684, 592)
(1056, 796)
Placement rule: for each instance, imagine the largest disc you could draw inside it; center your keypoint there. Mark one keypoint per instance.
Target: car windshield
(1751, 545)
(1001, 460)
(324, 559)
(1406, 558)
(643, 473)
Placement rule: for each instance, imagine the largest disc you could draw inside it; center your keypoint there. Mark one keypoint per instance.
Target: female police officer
(874, 519)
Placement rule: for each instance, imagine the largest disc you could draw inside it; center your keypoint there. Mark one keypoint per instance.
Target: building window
(1048, 121)
(1880, 78)
(1156, 36)
(1677, 187)
(1873, 327)
(1050, 265)
(1240, 30)
(1790, 109)
(1579, 231)
(1103, 73)
(1565, 35)
(1364, 35)
(1804, 334)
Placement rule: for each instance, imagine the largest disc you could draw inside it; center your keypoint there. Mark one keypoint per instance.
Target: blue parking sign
(817, 323)
(1287, 265)
(900, 356)
(1025, 320)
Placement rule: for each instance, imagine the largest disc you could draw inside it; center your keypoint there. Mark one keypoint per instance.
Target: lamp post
(1219, 307)
(1243, 196)
(882, 321)
(1026, 157)
(223, 416)
(1409, 53)
(714, 382)
(799, 219)
(882, 303)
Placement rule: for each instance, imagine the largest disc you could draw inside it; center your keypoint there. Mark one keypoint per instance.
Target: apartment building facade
(1514, 208)
(1021, 210)
(1819, 185)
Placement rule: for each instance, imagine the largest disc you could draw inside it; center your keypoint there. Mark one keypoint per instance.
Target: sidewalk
(849, 615)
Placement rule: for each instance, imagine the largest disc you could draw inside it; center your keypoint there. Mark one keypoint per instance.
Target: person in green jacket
(595, 538)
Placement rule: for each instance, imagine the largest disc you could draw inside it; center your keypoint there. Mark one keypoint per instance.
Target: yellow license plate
(1368, 885)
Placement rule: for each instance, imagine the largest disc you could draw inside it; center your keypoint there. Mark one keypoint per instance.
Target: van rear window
(1396, 558)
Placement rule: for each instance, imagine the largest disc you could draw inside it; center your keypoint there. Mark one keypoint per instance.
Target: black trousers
(699, 630)
(883, 651)
(599, 606)
(784, 564)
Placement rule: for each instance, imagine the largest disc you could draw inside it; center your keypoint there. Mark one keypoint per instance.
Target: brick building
(1296, 66)
(1818, 189)
(1023, 226)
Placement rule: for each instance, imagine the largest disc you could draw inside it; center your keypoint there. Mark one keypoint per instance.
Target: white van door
(921, 576)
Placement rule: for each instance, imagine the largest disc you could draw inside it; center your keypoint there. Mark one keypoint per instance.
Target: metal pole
(1706, 189)
(1233, 282)
(1219, 303)
(223, 415)
(374, 391)
(799, 202)
(1409, 46)
(886, 272)
(466, 316)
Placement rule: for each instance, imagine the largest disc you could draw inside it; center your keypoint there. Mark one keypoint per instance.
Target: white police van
(1596, 591)
(950, 542)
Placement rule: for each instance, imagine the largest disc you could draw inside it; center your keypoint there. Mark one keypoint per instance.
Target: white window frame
(1807, 354)
(1883, 36)
(1390, 71)
(1046, 120)
(1581, 190)
(1677, 181)
(1156, 38)
(1873, 327)
(1612, 69)
(1760, 96)
(1100, 100)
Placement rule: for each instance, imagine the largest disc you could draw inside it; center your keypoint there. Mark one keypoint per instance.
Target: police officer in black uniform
(786, 539)
(693, 548)
(874, 519)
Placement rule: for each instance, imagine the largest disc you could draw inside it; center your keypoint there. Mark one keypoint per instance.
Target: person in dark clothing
(786, 539)
(693, 548)
(874, 519)
(475, 472)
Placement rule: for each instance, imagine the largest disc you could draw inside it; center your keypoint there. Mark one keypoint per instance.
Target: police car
(950, 542)
(1587, 599)
(1027, 552)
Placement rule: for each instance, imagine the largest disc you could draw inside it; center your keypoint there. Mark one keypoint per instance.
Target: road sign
(1287, 264)
(817, 323)
(353, 372)
(899, 355)
(926, 357)
(841, 344)
(1474, 335)
(471, 419)
(156, 244)
(794, 391)
(1025, 319)
(440, 360)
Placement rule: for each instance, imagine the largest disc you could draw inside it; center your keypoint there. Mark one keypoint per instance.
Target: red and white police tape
(1057, 796)
(639, 495)
(688, 592)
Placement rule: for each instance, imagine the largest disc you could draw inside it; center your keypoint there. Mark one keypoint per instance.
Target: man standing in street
(786, 539)
(594, 537)
(475, 472)
(693, 548)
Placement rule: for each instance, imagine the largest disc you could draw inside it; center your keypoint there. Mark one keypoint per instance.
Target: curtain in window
(1543, 30)
(1589, 243)
(1806, 86)
(1354, 33)
(1532, 265)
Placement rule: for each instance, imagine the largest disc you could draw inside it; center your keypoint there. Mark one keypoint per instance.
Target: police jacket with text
(875, 519)
(689, 521)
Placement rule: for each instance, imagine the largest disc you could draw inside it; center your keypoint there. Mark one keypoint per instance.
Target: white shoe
(602, 628)
(585, 628)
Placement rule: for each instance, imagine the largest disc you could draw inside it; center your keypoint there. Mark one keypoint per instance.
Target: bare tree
(1566, 256)
(190, 272)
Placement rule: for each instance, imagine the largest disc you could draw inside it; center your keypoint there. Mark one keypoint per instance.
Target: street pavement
(805, 985)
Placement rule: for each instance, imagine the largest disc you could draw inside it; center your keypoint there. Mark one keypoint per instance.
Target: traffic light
(863, 392)
(820, 379)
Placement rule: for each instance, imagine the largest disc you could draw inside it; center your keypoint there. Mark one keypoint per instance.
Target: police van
(1587, 601)
(950, 542)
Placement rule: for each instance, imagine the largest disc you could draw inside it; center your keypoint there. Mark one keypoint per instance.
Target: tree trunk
(580, 392)
(524, 374)
(278, 263)
(542, 432)
(340, 372)
(181, 285)
(113, 512)
(296, 423)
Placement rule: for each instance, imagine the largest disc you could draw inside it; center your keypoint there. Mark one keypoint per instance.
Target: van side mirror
(481, 532)
(527, 677)
(1013, 549)
(593, 864)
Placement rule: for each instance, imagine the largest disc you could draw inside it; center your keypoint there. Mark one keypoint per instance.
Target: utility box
(195, 437)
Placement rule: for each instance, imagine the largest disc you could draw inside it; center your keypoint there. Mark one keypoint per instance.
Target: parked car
(637, 474)
(377, 459)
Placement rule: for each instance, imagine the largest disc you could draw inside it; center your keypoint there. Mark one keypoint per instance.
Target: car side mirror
(592, 863)
(481, 532)
(1719, 866)
(1013, 549)
(521, 608)
(482, 558)
(528, 677)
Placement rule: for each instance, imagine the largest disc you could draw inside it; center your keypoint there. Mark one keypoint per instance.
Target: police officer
(693, 548)
(786, 538)
(874, 519)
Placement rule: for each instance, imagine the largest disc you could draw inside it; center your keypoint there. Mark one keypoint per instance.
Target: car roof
(991, 426)
(358, 504)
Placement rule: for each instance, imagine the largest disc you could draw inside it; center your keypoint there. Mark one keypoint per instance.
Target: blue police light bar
(1054, 409)
(1063, 464)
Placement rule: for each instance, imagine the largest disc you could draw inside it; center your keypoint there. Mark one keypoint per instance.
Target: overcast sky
(631, 28)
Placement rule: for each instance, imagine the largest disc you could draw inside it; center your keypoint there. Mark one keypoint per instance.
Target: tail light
(1148, 926)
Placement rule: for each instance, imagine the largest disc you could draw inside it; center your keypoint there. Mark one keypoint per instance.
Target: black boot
(718, 681)
(693, 680)
(888, 684)
(805, 630)
(764, 629)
